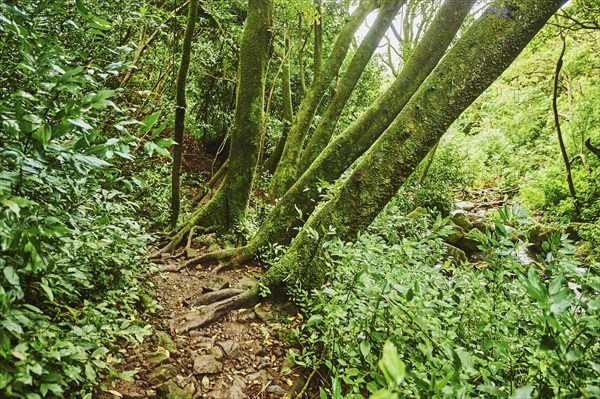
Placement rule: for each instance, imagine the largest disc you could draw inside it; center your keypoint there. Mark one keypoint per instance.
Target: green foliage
(72, 251)
(395, 320)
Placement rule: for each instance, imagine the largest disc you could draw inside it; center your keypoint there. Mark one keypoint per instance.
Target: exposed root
(214, 311)
(212, 297)
(178, 238)
(212, 257)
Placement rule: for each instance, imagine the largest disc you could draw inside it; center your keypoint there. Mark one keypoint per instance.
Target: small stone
(161, 374)
(230, 347)
(170, 390)
(217, 352)
(277, 390)
(238, 386)
(262, 376)
(207, 364)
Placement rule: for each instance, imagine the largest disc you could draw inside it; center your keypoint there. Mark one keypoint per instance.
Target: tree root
(212, 257)
(214, 296)
(210, 313)
(177, 239)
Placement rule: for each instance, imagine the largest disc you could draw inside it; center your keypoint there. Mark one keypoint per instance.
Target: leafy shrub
(72, 250)
(498, 328)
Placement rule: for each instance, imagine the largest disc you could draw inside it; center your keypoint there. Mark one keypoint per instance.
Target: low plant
(393, 322)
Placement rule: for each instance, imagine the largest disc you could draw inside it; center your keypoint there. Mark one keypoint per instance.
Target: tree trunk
(318, 50)
(475, 62)
(288, 111)
(346, 85)
(428, 162)
(563, 150)
(180, 111)
(228, 206)
(303, 196)
(285, 174)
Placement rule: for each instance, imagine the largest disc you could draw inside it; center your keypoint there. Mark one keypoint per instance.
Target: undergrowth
(396, 320)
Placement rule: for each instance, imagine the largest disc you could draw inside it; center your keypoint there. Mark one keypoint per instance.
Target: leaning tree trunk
(228, 206)
(285, 174)
(180, 111)
(474, 63)
(301, 199)
(345, 86)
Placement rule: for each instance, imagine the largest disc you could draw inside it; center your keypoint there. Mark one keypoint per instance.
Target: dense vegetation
(87, 104)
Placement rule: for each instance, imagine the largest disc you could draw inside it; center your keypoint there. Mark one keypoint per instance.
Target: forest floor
(239, 356)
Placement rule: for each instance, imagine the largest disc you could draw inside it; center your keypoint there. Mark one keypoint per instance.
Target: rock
(277, 390)
(230, 347)
(159, 357)
(207, 364)
(170, 390)
(465, 205)
(215, 283)
(482, 226)
(539, 233)
(456, 235)
(238, 386)
(217, 352)
(462, 220)
(262, 376)
(246, 282)
(417, 213)
(164, 340)
(265, 315)
(468, 244)
(161, 374)
(455, 255)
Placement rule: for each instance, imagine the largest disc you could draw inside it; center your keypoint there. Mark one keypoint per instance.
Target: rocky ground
(240, 356)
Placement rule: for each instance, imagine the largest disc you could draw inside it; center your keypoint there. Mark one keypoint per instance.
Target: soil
(239, 356)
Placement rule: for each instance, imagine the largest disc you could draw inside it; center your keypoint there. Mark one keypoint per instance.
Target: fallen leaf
(115, 393)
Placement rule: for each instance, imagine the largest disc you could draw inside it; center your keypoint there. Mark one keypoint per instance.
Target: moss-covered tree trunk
(228, 206)
(346, 84)
(475, 62)
(301, 199)
(285, 174)
(180, 111)
(288, 111)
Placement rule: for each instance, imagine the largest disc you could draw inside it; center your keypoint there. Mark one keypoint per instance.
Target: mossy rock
(417, 213)
(539, 233)
(462, 220)
(170, 390)
(482, 226)
(164, 340)
(468, 244)
(457, 234)
(455, 255)
(584, 250)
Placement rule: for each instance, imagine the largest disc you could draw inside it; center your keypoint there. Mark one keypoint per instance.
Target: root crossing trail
(239, 356)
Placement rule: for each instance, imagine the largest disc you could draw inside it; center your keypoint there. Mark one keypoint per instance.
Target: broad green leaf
(391, 365)
(365, 348)
(11, 276)
(522, 393)
(149, 121)
(83, 10)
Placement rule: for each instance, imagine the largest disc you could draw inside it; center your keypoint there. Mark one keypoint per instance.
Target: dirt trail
(240, 356)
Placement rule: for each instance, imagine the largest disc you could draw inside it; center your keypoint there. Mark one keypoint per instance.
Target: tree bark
(475, 62)
(288, 111)
(563, 150)
(345, 86)
(180, 111)
(318, 49)
(285, 174)
(289, 213)
(229, 204)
